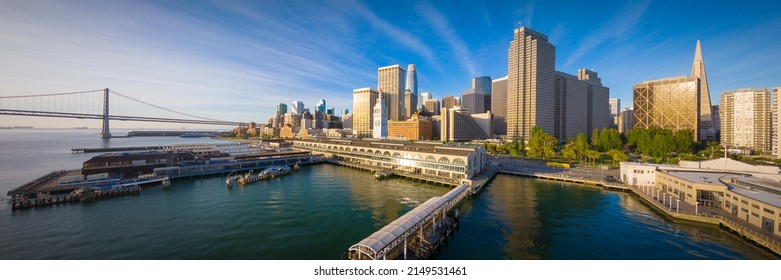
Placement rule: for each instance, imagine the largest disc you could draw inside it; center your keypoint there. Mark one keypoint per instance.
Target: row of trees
(656, 143)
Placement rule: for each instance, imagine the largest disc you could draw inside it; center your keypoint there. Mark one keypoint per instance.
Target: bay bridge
(101, 104)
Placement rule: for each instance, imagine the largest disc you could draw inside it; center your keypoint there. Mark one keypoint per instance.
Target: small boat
(232, 179)
(271, 172)
(166, 183)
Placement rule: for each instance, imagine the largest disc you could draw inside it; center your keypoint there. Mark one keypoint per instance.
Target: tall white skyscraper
(297, 107)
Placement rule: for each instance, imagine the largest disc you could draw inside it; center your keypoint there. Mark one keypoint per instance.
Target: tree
(593, 155)
(541, 144)
(609, 139)
(568, 152)
(683, 141)
(595, 137)
(617, 156)
(581, 146)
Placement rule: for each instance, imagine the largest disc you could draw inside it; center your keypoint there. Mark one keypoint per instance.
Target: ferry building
(429, 159)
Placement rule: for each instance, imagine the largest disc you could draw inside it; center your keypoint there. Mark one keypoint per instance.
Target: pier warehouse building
(429, 159)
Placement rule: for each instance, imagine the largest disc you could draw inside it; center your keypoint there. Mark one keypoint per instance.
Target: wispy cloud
(164, 55)
(439, 23)
(398, 35)
(528, 13)
(626, 19)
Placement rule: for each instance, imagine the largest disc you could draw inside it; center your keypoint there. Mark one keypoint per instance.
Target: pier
(416, 234)
(419, 233)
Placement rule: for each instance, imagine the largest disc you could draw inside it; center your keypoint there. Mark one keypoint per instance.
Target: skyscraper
(473, 101)
(364, 100)
(410, 103)
(320, 107)
(571, 107)
(745, 119)
(483, 84)
(412, 79)
(667, 103)
(297, 108)
(424, 96)
(449, 102)
(775, 122)
(380, 119)
(670, 103)
(390, 80)
(432, 105)
(499, 105)
(345, 112)
(598, 114)
(615, 108)
(706, 128)
(281, 108)
(530, 83)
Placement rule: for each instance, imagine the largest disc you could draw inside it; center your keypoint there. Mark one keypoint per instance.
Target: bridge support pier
(105, 133)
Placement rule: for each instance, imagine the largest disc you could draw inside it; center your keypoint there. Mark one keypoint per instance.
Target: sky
(235, 60)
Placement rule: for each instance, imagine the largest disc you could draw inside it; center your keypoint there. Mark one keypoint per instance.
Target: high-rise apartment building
(499, 105)
(530, 83)
(390, 80)
(775, 121)
(745, 119)
(364, 100)
(670, 103)
(706, 127)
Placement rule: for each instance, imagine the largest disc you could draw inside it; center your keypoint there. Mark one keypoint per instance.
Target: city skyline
(242, 56)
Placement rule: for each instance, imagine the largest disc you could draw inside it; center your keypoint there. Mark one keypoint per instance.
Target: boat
(268, 173)
(166, 183)
(232, 179)
(80, 127)
(383, 174)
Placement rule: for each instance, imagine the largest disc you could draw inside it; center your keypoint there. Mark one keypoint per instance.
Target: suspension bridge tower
(105, 133)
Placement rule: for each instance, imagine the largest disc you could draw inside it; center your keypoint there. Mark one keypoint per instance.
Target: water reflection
(537, 219)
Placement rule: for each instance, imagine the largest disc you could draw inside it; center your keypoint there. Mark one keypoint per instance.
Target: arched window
(355, 150)
(430, 158)
(377, 152)
(458, 161)
(370, 151)
(396, 155)
(444, 160)
(363, 151)
(387, 154)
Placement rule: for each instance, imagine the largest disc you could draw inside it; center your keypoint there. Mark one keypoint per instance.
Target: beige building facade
(530, 83)
(390, 80)
(746, 119)
(414, 128)
(362, 117)
(427, 159)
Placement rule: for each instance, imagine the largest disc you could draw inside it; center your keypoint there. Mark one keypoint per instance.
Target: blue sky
(235, 60)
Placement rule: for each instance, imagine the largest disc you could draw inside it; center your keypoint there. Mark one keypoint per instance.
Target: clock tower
(380, 119)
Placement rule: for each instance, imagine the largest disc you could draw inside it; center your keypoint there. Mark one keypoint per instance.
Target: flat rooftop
(758, 189)
(420, 147)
